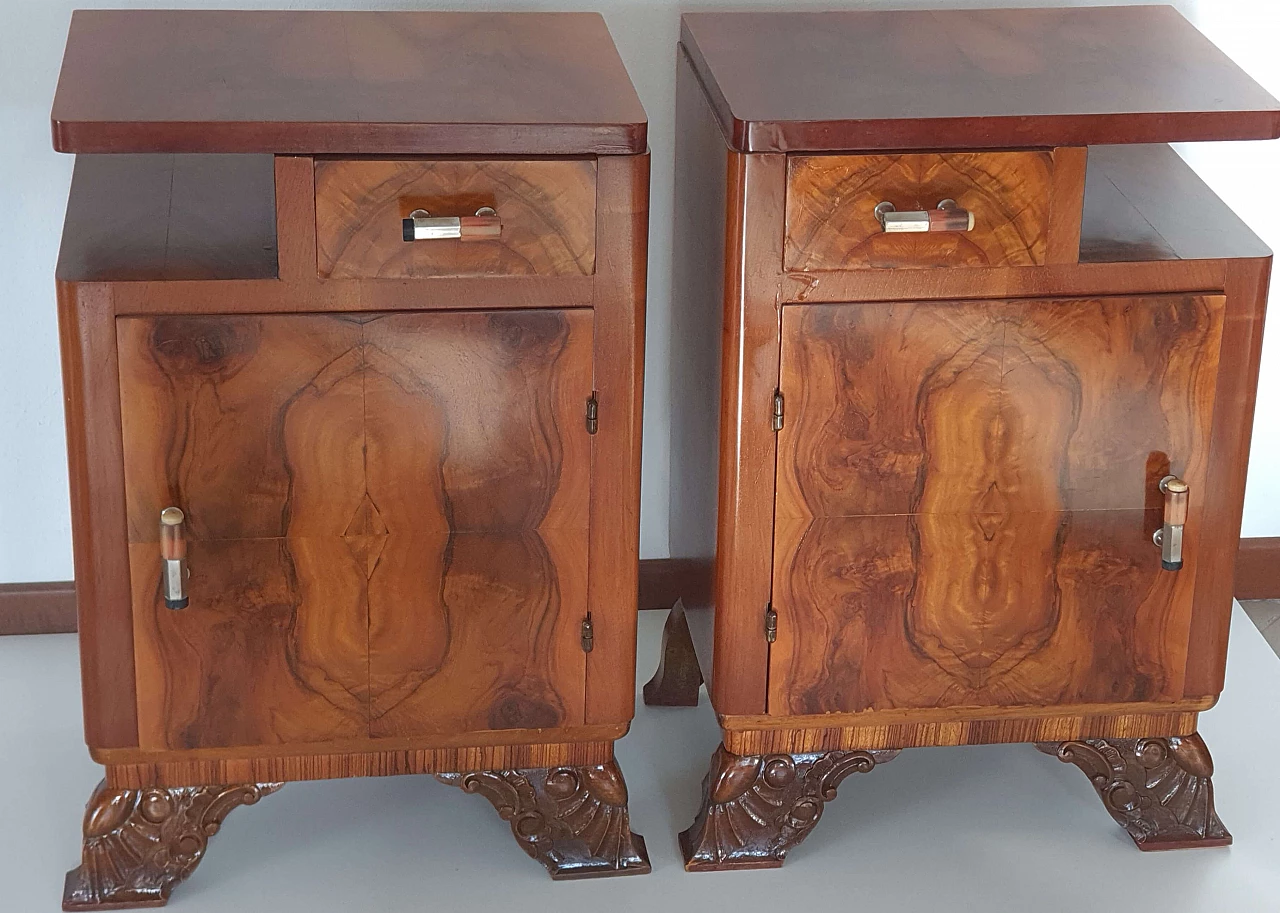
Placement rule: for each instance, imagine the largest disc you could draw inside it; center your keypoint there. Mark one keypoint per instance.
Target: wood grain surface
(832, 224)
(966, 496)
(970, 79)
(363, 83)
(309, 452)
(547, 209)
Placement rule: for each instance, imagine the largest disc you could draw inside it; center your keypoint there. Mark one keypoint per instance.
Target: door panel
(966, 497)
(480, 468)
(387, 519)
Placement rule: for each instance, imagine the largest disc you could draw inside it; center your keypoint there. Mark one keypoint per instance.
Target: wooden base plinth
(755, 809)
(1160, 790)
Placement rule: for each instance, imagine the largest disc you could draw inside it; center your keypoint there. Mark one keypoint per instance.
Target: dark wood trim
(38, 608)
(50, 608)
(1257, 569)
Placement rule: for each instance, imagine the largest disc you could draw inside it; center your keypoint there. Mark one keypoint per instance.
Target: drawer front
(832, 199)
(966, 497)
(386, 522)
(546, 208)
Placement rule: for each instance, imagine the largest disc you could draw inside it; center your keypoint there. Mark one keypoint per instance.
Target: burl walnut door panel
(966, 497)
(386, 517)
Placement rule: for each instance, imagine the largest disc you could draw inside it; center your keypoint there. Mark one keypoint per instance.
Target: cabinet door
(386, 517)
(479, 473)
(966, 497)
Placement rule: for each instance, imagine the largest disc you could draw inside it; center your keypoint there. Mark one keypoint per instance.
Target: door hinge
(770, 624)
(588, 634)
(593, 413)
(778, 410)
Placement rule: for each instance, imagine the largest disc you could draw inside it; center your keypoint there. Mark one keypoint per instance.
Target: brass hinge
(593, 413)
(770, 624)
(588, 634)
(778, 410)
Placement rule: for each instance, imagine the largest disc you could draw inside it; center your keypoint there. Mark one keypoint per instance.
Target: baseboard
(50, 608)
(1258, 569)
(38, 608)
(664, 580)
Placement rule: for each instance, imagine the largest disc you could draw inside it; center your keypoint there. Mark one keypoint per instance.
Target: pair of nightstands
(352, 326)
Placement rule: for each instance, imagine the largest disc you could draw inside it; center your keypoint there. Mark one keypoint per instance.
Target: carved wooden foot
(139, 843)
(678, 678)
(755, 809)
(1159, 790)
(573, 820)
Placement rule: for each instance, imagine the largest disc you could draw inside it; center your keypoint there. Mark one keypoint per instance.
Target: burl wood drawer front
(547, 208)
(966, 497)
(832, 199)
(387, 518)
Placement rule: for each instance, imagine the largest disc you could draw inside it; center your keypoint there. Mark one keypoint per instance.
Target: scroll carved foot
(755, 809)
(1158, 789)
(678, 678)
(139, 843)
(573, 820)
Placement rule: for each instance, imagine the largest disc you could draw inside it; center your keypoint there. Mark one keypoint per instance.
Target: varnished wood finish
(572, 819)
(95, 462)
(384, 83)
(970, 79)
(169, 218)
(547, 208)
(832, 224)
(140, 843)
(678, 679)
(327, 467)
(961, 489)
(319, 764)
(757, 809)
(873, 730)
(1159, 790)
(1258, 569)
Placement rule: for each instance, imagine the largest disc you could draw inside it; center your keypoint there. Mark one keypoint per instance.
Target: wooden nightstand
(971, 347)
(352, 325)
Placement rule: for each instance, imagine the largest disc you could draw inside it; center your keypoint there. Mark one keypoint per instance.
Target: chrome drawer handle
(947, 217)
(422, 226)
(1169, 536)
(173, 552)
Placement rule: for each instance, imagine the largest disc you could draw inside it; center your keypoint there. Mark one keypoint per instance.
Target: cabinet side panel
(622, 231)
(697, 307)
(1223, 497)
(92, 398)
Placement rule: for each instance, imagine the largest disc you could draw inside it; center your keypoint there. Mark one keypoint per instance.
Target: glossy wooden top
(344, 82)
(968, 79)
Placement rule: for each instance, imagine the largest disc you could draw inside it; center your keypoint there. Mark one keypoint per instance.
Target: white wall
(34, 522)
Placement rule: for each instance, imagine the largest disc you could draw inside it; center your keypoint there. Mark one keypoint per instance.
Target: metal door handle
(947, 217)
(422, 226)
(1169, 536)
(173, 553)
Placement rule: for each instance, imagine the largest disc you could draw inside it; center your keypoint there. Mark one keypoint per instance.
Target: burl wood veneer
(975, 336)
(346, 504)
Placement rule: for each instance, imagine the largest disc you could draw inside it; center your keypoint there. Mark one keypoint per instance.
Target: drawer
(543, 221)
(1004, 209)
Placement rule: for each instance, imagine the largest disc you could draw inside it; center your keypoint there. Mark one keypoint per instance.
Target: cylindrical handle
(947, 217)
(1169, 536)
(422, 226)
(173, 554)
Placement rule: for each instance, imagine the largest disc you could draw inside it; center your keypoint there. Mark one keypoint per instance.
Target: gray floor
(996, 828)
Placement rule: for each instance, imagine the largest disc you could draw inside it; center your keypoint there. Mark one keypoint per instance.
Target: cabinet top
(970, 79)
(442, 83)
